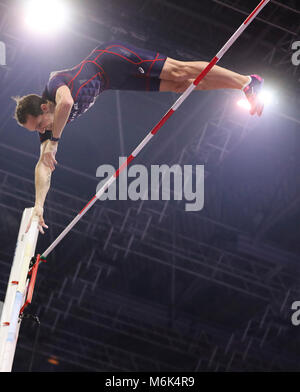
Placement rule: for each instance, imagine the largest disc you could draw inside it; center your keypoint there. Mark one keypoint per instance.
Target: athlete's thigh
(130, 68)
(171, 69)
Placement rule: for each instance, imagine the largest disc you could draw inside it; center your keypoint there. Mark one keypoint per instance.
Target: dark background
(145, 285)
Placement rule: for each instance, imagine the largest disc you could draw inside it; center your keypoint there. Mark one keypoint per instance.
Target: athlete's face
(41, 123)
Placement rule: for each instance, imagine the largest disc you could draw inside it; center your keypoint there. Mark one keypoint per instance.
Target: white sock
(246, 84)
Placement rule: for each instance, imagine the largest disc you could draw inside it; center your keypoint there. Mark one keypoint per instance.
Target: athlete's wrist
(38, 206)
(51, 147)
(54, 139)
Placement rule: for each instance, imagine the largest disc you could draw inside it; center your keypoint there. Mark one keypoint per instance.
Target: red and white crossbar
(164, 119)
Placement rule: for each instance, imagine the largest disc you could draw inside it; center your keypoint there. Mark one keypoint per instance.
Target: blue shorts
(126, 67)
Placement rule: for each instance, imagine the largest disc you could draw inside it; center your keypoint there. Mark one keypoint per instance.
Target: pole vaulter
(155, 129)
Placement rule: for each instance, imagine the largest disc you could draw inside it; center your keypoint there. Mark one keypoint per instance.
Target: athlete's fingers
(49, 160)
(50, 164)
(42, 226)
(46, 162)
(53, 162)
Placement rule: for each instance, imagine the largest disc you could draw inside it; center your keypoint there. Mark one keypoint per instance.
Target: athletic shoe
(252, 93)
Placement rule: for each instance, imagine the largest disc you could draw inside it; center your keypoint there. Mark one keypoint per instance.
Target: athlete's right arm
(42, 186)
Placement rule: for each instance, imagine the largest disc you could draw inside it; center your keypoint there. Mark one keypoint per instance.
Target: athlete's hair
(28, 104)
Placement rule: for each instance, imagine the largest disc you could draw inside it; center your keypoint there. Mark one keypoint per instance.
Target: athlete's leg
(177, 75)
(217, 78)
(177, 87)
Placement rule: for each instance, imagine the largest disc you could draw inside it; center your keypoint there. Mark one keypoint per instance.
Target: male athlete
(71, 92)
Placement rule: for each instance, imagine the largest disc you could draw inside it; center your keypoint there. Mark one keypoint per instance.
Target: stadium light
(267, 96)
(45, 16)
(242, 103)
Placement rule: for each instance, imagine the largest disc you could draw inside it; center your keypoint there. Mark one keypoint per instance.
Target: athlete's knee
(185, 70)
(175, 70)
(180, 71)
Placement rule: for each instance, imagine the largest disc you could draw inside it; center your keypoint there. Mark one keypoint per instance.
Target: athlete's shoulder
(56, 80)
(52, 74)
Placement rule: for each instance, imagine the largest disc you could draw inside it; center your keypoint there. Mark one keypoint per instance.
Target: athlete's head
(34, 113)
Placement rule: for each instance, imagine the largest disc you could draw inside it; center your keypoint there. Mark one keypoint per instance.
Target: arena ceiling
(145, 286)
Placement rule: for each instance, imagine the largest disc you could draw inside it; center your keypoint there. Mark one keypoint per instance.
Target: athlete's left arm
(63, 107)
(64, 103)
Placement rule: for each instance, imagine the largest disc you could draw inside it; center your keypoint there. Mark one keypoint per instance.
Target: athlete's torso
(112, 65)
(84, 81)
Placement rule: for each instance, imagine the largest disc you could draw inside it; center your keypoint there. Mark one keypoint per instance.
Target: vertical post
(2, 54)
(120, 126)
(16, 291)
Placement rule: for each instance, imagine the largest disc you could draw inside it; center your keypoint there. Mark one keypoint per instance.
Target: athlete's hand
(48, 156)
(48, 159)
(37, 214)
